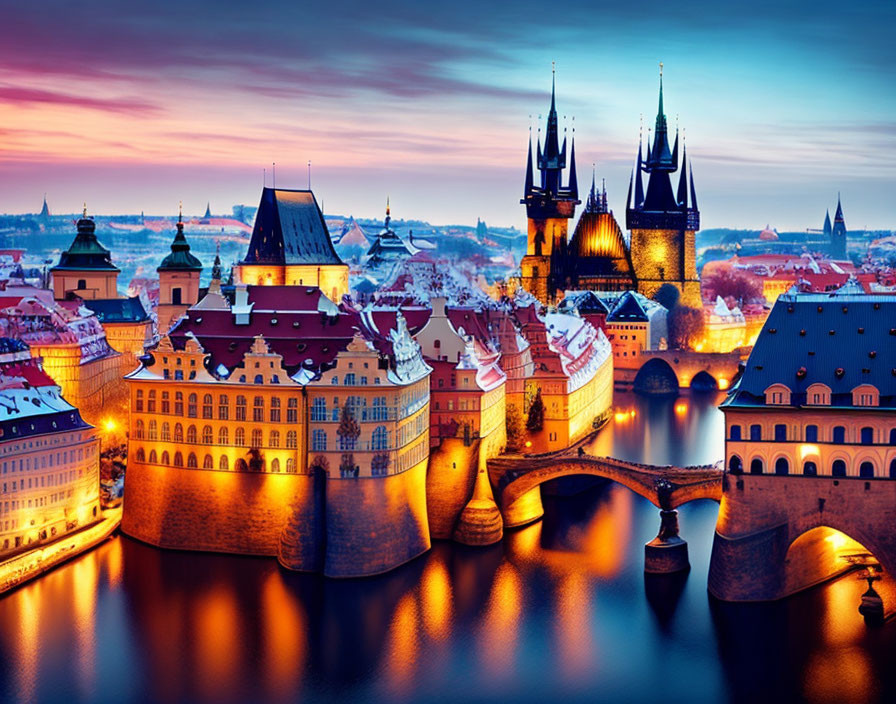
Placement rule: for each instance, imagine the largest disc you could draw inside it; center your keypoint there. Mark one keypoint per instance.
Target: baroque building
(291, 246)
(49, 457)
(663, 222)
(178, 280)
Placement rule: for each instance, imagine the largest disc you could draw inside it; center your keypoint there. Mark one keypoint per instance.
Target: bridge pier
(667, 552)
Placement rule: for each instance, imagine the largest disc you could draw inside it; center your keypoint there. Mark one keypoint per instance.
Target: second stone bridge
(516, 479)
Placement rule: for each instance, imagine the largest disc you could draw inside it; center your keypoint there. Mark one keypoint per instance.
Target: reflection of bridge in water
(516, 480)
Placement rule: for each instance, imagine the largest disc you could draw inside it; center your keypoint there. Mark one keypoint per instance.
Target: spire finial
(84, 213)
(180, 212)
(661, 69)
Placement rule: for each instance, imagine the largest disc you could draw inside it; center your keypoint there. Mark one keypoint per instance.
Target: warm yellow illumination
(837, 540)
(681, 408)
(723, 383)
(110, 425)
(808, 451)
(528, 443)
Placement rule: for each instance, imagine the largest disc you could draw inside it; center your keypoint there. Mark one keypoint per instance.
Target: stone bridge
(671, 370)
(516, 479)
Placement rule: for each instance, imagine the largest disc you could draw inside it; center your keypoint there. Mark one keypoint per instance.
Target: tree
(685, 327)
(730, 283)
(667, 296)
(349, 430)
(515, 427)
(535, 421)
(320, 463)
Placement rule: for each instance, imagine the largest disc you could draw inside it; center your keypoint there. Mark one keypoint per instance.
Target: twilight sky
(135, 106)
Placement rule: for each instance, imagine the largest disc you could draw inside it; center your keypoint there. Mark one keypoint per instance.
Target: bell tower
(549, 207)
(178, 280)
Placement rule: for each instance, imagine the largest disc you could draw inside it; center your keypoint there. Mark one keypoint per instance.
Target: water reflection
(560, 609)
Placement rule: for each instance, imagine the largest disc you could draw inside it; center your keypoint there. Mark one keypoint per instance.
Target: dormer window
(865, 395)
(777, 395)
(818, 395)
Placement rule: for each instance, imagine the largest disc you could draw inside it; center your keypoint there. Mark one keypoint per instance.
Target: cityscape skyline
(433, 108)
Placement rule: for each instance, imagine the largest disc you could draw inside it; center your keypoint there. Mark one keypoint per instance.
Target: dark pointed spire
(573, 178)
(628, 198)
(530, 178)
(180, 258)
(675, 147)
(827, 222)
(208, 210)
(216, 267)
(659, 158)
(693, 190)
(45, 209)
(639, 185)
(682, 196)
(388, 214)
(838, 216)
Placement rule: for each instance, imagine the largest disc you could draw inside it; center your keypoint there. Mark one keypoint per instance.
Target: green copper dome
(180, 258)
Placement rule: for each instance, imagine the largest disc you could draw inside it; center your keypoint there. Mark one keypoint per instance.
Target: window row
(810, 468)
(152, 431)
(380, 439)
(209, 410)
(357, 405)
(254, 464)
(839, 435)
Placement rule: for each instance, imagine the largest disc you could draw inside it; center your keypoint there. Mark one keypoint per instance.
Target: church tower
(549, 207)
(664, 222)
(178, 280)
(838, 234)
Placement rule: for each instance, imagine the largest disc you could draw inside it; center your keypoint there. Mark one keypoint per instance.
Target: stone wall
(762, 515)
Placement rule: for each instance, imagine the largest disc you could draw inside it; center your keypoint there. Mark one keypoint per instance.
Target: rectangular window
(780, 433)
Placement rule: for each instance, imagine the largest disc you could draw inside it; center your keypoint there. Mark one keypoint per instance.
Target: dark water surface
(560, 611)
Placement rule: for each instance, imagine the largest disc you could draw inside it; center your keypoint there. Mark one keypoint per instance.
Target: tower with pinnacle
(549, 207)
(178, 280)
(663, 221)
(837, 233)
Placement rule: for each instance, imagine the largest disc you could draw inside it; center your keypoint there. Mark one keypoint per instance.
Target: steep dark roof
(842, 341)
(628, 308)
(290, 229)
(85, 252)
(180, 259)
(118, 310)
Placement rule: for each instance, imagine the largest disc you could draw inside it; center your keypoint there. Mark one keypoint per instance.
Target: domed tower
(178, 280)
(549, 207)
(664, 222)
(85, 269)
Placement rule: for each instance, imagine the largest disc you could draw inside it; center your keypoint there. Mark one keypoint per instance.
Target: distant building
(663, 223)
(634, 325)
(838, 233)
(386, 252)
(291, 246)
(49, 457)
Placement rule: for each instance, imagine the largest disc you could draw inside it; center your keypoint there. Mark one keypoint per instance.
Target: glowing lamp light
(723, 383)
(621, 416)
(528, 443)
(837, 540)
(110, 425)
(808, 451)
(681, 408)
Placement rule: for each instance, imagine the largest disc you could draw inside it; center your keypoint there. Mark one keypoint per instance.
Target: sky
(136, 106)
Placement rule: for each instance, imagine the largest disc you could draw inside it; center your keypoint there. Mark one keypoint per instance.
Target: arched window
(380, 438)
(275, 465)
(151, 402)
(223, 464)
(319, 409)
(178, 459)
(258, 409)
(166, 459)
(166, 404)
(780, 433)
(290, 465)
(839, 435)
(380, 410)
(141, 455)
(291, 443)
(867, 435)
(239, 437)
(166, 432)
(152, 457)
(207, 406)
(734, 432)
(257, 440)
(755, 432)
(223, 436)
(191, 460)
(866, 470)
(139, 401)
(240, 465)
(153, 431)
(207, 436)
(811, 433)
(138, 430)
(274, 439)
(838, 469)
(208, 462)
(735, 466)
(191, 434)
(178, 432)
(292, 410)
(241, 408)
(318, 440)
(191, 406)
(756, 466)
(259, 379)
(893, 468)
(809, 469)
(782, 466)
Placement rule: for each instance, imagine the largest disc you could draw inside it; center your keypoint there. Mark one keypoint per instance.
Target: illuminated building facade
(549, 207)
(634, 325)
(270, 426)
(85, 269)
(49, 457)
(291, 246)
(663, 223)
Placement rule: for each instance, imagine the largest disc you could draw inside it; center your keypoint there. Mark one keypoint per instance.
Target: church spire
(682, 196)
(659, 158)
(693, 190)
(838, 216)
(573, 178)
(530, 179)
(639, 185)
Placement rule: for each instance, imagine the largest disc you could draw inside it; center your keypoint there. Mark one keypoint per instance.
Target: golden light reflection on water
(285, 635)
(85, 573)
(499, 627)
(576, 649)
(402, 647)
(217, 642)
(436, 597)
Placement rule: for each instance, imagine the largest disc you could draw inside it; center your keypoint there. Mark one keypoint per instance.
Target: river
(561, 610)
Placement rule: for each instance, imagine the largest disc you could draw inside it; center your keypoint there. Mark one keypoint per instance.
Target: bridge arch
(656, 377)
(704, 381)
